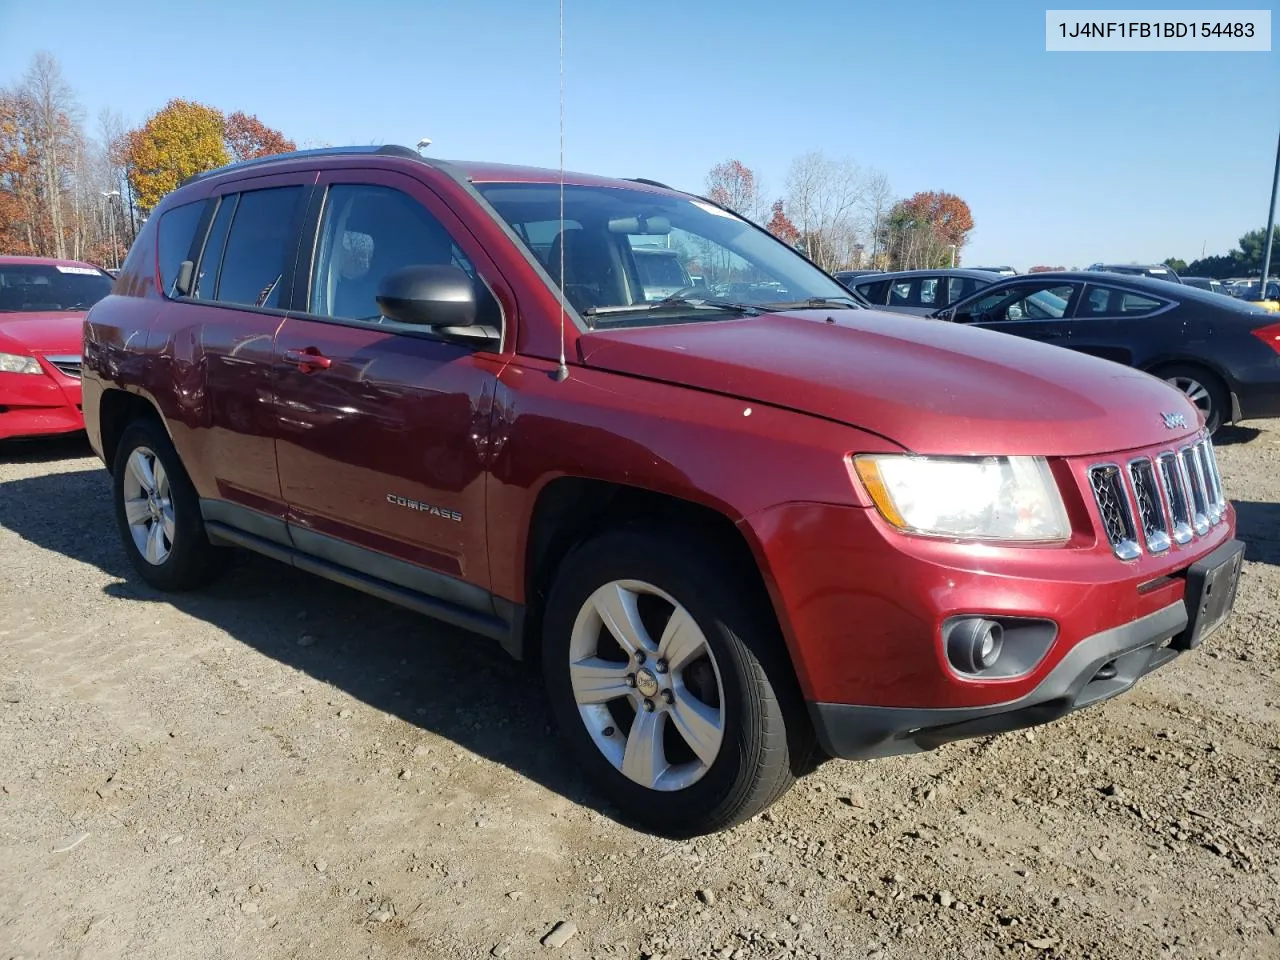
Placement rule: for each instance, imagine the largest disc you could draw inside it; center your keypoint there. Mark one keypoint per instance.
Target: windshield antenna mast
(562, 373)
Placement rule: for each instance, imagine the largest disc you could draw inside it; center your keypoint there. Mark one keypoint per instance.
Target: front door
(1037, 310)
(383, 426)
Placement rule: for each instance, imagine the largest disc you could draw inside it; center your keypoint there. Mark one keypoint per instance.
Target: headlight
(980, 498)
(13, 363)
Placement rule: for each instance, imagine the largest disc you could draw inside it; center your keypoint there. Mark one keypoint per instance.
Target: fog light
(974, 645)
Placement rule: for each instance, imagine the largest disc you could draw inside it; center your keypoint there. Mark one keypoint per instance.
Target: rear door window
(262, 241)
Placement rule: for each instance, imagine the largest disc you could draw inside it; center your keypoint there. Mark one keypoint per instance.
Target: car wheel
(670, 684)
(158, 512)
(1202, 388)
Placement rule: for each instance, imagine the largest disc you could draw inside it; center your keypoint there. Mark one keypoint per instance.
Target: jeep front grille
(1155, 503)
(1113, 506)
(1151, 516)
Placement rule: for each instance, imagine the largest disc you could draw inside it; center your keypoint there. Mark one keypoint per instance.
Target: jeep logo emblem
(1174, 420)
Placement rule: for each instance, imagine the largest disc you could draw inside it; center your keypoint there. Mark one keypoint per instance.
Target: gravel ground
(279, 767)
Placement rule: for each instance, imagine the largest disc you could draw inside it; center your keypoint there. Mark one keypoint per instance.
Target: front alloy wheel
(655, 709)
(670, 682)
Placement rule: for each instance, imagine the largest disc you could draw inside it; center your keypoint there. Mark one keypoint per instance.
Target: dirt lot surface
(279, 767)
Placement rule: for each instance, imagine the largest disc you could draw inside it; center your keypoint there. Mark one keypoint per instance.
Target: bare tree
(55, 114)
(876, 202)
(824, 196)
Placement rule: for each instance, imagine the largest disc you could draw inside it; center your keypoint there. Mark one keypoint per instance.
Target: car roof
(15, 261)
(394, 155)
(1163, 289)
(940, 272)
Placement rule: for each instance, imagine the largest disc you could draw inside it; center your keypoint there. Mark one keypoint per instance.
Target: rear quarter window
(174, 241)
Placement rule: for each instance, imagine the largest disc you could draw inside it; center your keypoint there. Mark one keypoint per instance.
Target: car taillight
(1270, 336)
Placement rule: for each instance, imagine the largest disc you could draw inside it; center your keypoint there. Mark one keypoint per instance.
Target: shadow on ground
(45, 451)
(1258, 525)
(452, 683)
(1234, 434)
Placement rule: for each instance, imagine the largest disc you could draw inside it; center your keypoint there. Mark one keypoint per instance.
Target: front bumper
(38, 406)
(1095, 669)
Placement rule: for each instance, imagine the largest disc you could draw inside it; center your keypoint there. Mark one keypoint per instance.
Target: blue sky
(1064, 158)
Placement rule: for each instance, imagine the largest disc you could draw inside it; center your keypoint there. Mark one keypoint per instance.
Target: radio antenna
(562, 373)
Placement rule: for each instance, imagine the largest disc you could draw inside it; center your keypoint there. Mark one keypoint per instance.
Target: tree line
(844, 216)
(1242, 261)
(71, 193)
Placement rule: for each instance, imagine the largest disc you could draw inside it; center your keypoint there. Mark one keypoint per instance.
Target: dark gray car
(921, 291)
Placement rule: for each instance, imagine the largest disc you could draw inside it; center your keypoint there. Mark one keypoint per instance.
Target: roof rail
(388, 150)
(651, 183)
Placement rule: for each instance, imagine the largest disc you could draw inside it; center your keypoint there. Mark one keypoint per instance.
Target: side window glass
(900, 293)
(258, 247)
(960, 287)
(207, 268)
(1029, 302)
(369, 231)
(928, 291)
(873, 291)
(177, 231)
(1136, 305)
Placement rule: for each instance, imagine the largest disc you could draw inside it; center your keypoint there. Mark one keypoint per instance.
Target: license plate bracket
(1211, 593)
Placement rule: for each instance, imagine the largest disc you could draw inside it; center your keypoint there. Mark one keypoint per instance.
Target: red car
(738, 535)
(42, 307)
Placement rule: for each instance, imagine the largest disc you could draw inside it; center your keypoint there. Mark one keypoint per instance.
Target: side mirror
(948, 314)
(429, 296)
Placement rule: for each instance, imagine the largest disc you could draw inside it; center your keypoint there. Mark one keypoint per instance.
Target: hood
(929, 385)
(53, 333)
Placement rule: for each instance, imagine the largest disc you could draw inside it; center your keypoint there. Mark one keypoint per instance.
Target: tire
(166, 527)
(1202, 387)
(741, 674)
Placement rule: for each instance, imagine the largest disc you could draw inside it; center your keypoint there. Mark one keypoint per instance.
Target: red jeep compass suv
(739, 535)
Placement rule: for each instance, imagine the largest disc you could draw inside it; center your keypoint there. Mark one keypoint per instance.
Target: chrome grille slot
(1113, 507)
(1213, 482)
(1175, 493)
(1151, 516)
(1194, 473)
(68, 365)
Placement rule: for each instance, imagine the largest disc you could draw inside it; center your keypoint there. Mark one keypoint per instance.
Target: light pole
(953, 255)
(1271, 227)
(111, 217)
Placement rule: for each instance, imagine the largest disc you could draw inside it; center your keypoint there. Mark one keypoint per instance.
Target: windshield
(610, 281)
(36, 287)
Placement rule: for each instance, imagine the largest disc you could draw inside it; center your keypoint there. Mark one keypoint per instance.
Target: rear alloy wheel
(670, 682)
(1201, 388)
(158, 512)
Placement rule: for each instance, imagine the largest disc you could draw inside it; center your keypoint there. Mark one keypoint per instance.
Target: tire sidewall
(180, 567)
(622, 557)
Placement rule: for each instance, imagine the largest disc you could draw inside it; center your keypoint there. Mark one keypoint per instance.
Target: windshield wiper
(813, 303)
(673, 303)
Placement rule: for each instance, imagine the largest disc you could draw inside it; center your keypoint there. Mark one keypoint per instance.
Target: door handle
(308, 360)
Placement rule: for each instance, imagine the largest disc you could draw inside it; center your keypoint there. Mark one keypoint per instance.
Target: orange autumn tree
(181, 140)
(186, 138)
(248, 138)
(780, 226)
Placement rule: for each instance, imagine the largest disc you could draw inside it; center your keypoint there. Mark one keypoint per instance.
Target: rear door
(218, 344)
(382, 426)
(1127, 326)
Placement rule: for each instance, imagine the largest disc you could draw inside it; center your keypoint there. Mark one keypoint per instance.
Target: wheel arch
(569, 510)
(117, 409)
